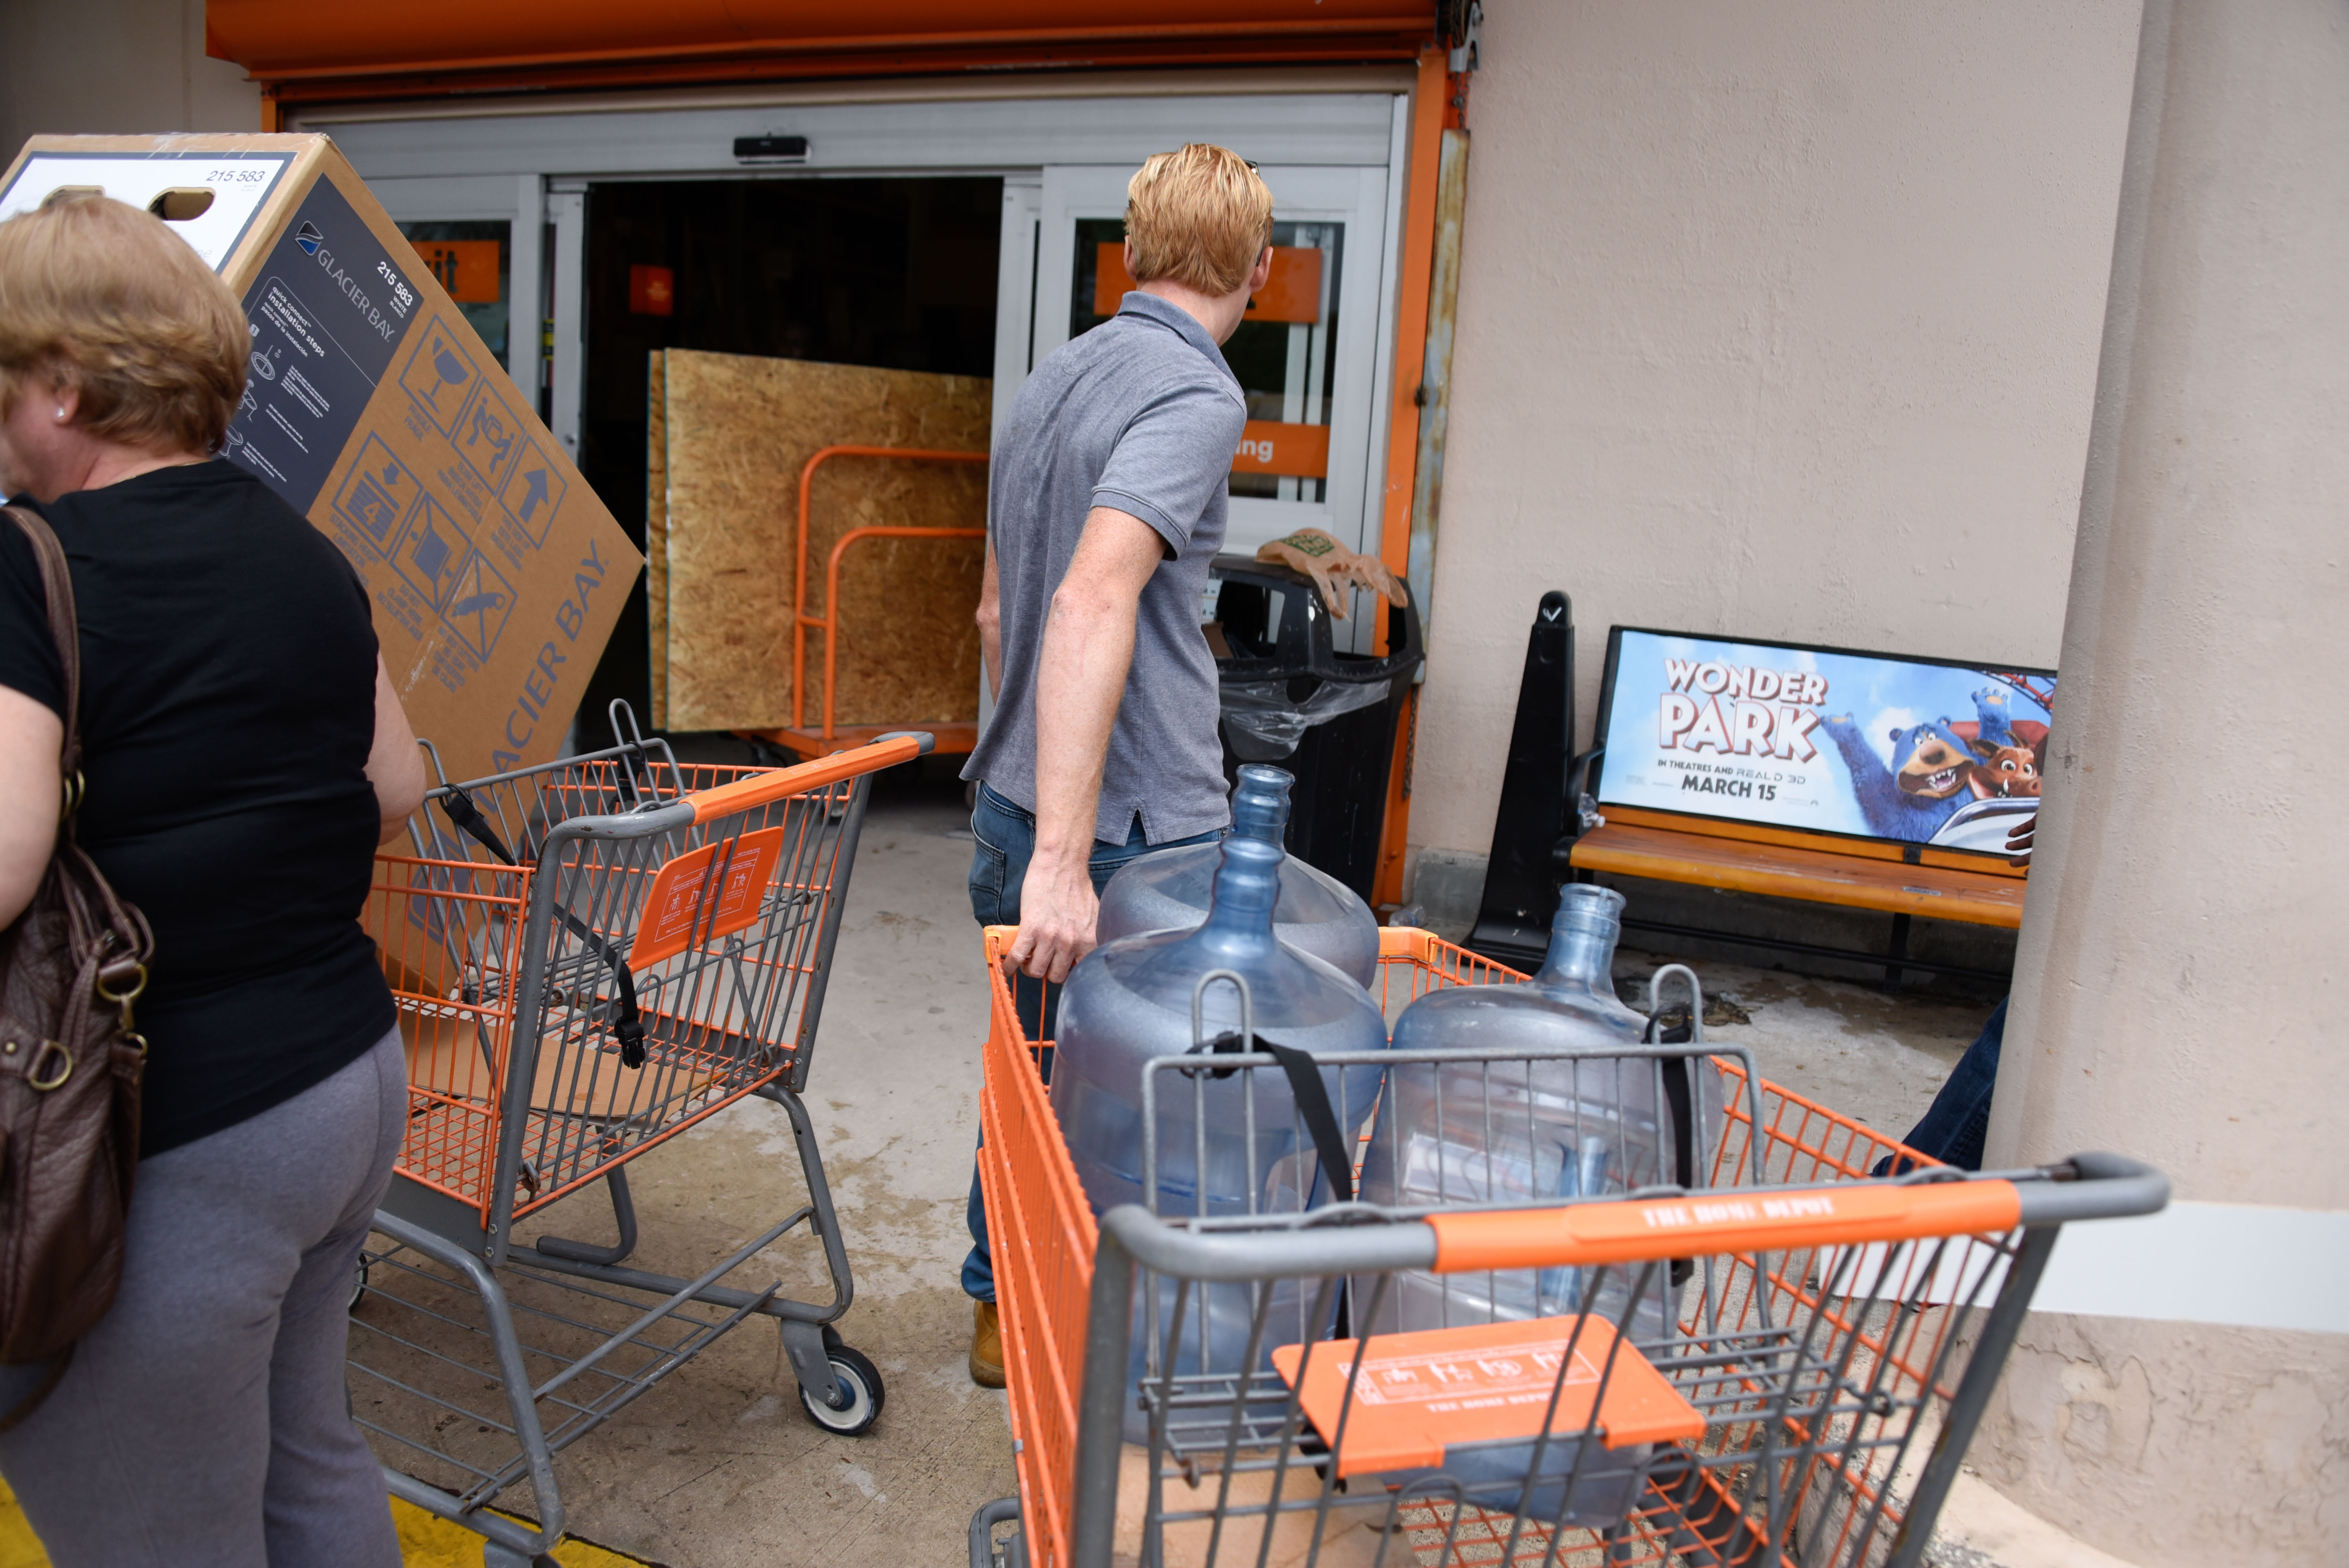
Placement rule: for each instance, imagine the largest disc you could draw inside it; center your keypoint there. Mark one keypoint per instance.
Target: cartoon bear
(1927, 783)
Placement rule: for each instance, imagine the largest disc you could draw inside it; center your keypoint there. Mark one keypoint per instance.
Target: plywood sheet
(657, 531)
(738, 430)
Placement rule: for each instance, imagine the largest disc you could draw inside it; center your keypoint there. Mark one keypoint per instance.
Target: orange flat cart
(952, 737)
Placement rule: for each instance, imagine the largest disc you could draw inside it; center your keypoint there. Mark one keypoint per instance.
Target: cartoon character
(2008, 767)
(2006, 773)
(1925, 787)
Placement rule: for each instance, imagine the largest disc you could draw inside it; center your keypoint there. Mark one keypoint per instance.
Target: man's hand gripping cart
(590, 957)
(1779, 1362)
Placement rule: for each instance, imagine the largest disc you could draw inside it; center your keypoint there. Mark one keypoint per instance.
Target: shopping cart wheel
(860, 1386)
(358, 1283)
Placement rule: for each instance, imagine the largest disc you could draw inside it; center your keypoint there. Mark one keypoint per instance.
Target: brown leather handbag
(70, 968)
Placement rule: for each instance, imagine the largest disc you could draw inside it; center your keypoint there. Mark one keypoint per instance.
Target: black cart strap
(1677, 1093)
(1313, 1103)
(629, 1026)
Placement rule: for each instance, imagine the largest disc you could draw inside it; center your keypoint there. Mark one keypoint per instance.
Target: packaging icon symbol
(489, 435)
(440, 376)
(532, 490)
(479, 605)
(430, 551)
(376, 493)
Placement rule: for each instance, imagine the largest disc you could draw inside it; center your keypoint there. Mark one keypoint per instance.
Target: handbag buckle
(34, 1073)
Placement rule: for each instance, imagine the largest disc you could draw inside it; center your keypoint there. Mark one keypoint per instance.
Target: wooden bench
(1745, 765)
(1741, 857)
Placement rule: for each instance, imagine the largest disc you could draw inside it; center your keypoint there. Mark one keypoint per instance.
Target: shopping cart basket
(1831, 1345)
(589, 957)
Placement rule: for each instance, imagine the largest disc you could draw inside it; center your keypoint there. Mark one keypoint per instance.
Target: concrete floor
(719, 1468)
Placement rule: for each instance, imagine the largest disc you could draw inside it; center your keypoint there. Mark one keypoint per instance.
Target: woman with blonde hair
(244, 752)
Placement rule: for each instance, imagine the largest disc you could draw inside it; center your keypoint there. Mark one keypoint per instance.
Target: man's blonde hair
(1198, 215)
(104, 298)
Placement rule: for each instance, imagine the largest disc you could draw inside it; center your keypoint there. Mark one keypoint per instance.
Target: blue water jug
(1224, 1141)
(1316, 914)
(1495, 1130)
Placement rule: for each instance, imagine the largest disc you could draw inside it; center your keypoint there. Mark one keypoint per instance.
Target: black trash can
(1292, 699)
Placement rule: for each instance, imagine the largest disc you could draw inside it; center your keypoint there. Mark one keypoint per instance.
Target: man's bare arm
(991, 625)
(1080, 681)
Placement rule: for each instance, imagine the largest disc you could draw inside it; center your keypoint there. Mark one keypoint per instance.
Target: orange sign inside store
(1292, 451)
(1416, 1395)
(710, 892)
(1292, 293)
(652, 291)
(468, 269)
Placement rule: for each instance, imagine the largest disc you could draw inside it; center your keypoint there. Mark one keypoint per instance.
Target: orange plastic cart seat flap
(1418, 1394)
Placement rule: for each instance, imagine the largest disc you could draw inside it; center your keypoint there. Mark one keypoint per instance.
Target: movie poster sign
(1823, 740)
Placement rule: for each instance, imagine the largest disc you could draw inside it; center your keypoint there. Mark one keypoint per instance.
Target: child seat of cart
(1725, 845)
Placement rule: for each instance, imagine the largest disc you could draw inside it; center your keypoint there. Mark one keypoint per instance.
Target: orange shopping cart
(1803, 1400)
(590, 957)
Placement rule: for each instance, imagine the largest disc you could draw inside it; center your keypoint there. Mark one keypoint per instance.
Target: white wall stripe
(2236, 1264)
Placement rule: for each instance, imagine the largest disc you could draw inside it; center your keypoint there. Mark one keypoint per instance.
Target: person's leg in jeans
(1955, 1125)
(1003, 839)
(202, 1422)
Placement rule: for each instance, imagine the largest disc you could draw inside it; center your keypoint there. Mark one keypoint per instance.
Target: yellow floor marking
(426, 1540)
(19, 1547)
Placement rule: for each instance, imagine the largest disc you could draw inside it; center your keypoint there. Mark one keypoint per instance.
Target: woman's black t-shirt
(227, 710)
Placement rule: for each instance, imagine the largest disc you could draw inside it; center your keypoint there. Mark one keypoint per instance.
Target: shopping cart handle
(2092, 1186)
(1631, 1229)
(763, 789)
(1219, 1257)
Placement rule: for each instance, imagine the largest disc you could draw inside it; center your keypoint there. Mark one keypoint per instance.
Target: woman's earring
(61, 413)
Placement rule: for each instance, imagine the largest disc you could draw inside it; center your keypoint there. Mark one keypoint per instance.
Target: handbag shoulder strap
(64, 629)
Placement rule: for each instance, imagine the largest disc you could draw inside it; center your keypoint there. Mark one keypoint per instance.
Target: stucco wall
(1776, 321)
(2183, 1013)
(92, 66)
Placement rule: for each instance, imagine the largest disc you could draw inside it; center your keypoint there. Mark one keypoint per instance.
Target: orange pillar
(1431, 107)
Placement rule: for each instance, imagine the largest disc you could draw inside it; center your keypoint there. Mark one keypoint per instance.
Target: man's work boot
(987, 1346)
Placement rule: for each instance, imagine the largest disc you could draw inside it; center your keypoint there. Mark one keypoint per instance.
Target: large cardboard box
(375, 409)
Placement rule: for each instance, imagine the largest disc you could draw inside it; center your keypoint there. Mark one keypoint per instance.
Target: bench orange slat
(1854, 881)
(1826, 845)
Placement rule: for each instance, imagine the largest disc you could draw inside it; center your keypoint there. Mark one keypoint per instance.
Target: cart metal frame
(587, 1059)
(1836, 1337)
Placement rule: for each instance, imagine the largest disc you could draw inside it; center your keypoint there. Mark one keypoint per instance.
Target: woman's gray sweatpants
(202, 1423)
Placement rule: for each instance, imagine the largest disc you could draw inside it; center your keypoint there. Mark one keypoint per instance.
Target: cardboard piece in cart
(569, 1079)
(496, 574)
(1417, 1394)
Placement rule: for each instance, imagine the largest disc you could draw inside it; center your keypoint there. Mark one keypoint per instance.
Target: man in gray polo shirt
(1105, 503)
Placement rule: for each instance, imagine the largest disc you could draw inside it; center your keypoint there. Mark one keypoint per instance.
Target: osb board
(657, 531)
(738, 430)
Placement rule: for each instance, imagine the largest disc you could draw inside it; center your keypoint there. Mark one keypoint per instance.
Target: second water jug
(1492, 1129)
(1316, 914)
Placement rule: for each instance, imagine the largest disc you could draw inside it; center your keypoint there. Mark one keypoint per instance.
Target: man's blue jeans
(1956, 1123)
(1004, 841)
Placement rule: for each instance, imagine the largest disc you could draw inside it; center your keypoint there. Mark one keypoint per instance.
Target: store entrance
(895, 273)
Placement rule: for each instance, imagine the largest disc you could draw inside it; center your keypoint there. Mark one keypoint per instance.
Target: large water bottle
(1489, 1130)
(1316, 913)
(1238, 1143)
